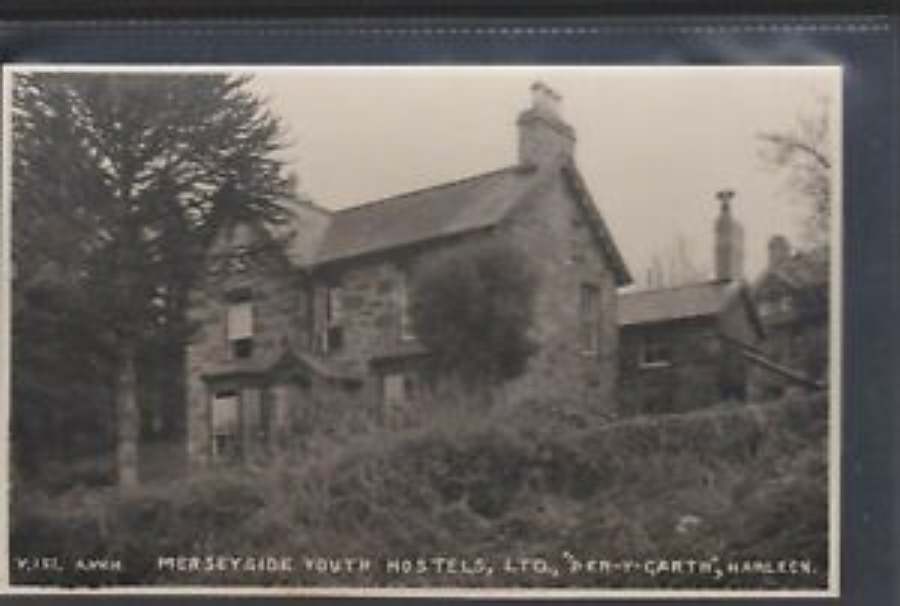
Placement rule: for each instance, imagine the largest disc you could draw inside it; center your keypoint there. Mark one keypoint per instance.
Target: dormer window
(240, 324)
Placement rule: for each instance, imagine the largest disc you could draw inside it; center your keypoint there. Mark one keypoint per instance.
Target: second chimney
(543, 135)
(729, 241)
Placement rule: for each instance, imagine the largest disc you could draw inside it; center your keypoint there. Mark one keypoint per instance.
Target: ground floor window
(398, 392)
(238, 424)
(655, 352)
(226, 426)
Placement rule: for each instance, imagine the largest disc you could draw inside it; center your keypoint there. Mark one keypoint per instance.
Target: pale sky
(654, 144)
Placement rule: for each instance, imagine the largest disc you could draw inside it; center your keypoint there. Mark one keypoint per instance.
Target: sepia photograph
(521, 331)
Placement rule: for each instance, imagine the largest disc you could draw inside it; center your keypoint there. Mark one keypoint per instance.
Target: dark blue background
(865, 46)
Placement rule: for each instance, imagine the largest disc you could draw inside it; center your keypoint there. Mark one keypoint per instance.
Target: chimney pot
(543, 135)
(545, 99)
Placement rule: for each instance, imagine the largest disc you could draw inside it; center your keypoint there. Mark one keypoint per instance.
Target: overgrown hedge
(734, 482)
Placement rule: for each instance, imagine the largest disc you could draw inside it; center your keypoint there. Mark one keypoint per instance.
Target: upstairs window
(655, 352)
(404, 314)
(334, 307)
(331, 337)
(589, 312)
(240, 325)
(780, 304)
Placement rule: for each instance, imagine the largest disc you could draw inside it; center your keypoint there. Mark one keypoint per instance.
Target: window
(398, 392)
(334, 307)
(655, 353)
(226, 426)
(239, 424)
(403, 310)
(240, 325)
(332, 335)
(589, 312)
(781, 304)
(785, 304)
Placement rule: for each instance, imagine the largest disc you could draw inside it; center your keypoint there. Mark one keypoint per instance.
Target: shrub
(731, 482)
(483, 293)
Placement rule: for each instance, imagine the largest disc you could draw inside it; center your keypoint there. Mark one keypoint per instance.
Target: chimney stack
(779, 251)
(544, 137)
(729, 241)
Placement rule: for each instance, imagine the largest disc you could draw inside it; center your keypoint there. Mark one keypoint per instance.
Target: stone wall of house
(552, 229)
(688, 381)
(280, 320)
(703, 368)
(369, 293)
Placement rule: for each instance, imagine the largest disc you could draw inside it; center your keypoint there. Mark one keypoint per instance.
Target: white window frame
(645, 348)
(218, 399)
(395, 404)
(404, 319)
(334, 306)
(333, 318)
(240, 320)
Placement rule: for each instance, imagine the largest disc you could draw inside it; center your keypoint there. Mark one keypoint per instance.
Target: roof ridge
(369, 203)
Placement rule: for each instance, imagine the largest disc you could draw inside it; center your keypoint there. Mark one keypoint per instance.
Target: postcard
(451, 331)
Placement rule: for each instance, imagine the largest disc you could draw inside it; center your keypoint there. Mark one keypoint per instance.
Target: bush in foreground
(736, 483)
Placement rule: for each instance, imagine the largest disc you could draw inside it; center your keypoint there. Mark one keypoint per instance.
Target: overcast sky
(654, 144)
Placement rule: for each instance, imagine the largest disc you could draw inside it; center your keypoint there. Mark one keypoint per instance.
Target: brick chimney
(779, 250)
(729, 241)
(543, 135)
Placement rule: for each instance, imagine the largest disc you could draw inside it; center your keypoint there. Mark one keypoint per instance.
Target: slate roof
(445, 210)
(677, 303)
(450, 209)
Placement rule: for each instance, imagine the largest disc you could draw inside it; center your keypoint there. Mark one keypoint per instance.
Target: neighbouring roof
(676, 303)
(444, 210)
(806, 269)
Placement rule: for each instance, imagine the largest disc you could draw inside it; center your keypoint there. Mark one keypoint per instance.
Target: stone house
(792, 297)
(299, 323)
(683, 347)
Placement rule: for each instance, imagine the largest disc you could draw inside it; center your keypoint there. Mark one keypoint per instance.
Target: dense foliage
(473, 309)
(118, 182)
(733, 483)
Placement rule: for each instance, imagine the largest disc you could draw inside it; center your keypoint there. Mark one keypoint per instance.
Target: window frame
(217, 453)
(589, 312)
(240, 346)
(646, 345)
(331, 327)
(405, 330)
(394, 409)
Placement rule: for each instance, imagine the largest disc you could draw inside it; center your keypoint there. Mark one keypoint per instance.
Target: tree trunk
(127, 419)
